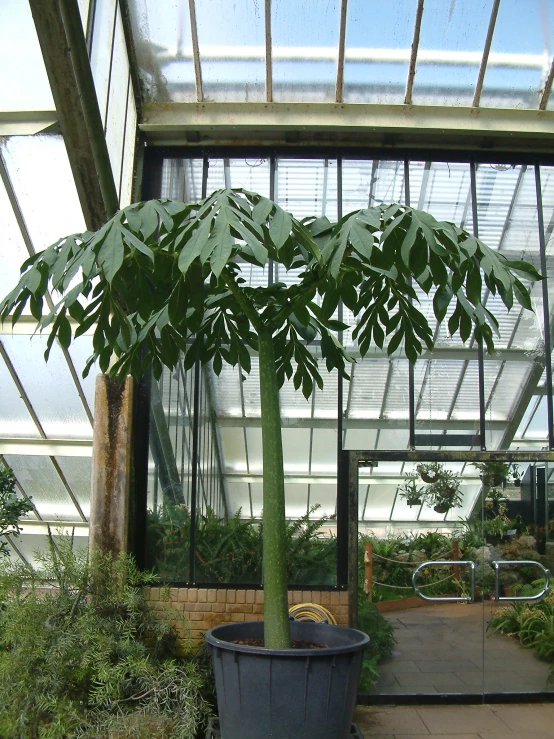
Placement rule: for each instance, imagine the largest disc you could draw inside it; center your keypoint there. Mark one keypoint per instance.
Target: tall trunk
(276, 623)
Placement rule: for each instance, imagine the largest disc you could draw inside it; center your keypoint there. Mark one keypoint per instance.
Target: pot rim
(360, 644)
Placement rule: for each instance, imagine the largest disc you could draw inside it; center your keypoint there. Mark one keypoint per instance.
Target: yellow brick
(335, 599)
(316, 597)
(289, 597)
(258, 608)
(147, 592)
(197, 616)
(193, 595)
(250, 596)
(221, 596)
(218, 607)
(231, 596)
(239, 608)
(240, 596)
(260, 596)
(195, 607)
(257, 617)
(237, 617)
(183, 595)
(306, 596)
(155, 594)
(173, 594)
(325, 598)
(202, 595)
(297, 596)
(343, 598)
(212, 595)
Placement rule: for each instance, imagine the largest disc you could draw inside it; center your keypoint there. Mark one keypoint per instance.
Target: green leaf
(525, 269)
(261, 210)
(223, 246)
(395, 341)
(137, 243)
(280, 227)
(192, 248)
(520, 291)
(110, 256)
(441, 301)
(148, 220)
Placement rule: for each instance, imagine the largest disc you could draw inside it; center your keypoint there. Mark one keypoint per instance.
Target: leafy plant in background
(410, 491)
(161, 272)
(83, 655)
(11, 508)
(230, 550)
(381, 640)
(532, 624)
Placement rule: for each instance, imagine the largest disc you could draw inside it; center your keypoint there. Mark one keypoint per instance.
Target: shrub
(11, 508)
(83, 655)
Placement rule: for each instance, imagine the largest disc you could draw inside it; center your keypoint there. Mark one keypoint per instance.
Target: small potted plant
(410, 491)
(444, 493)
(493, 474)
(429, 471)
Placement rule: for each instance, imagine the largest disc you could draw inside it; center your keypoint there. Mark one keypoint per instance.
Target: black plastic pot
(442, 507)
(286, 693)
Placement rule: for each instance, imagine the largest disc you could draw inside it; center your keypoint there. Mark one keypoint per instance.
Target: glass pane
(163, 45)
(450, 51)
(117, 101)
(23, 81)
(41, 177)
(519, 62)
(39, 479)
(101, 53)
(15, 419)
(51, 391)
(377, 51)
(14, 251)
(231, 38)
(305, 50)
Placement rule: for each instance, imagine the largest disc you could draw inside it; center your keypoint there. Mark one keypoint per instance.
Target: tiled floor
(445, 649)
(499, 721)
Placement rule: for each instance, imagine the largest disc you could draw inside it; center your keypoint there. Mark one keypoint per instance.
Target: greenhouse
(392, 469)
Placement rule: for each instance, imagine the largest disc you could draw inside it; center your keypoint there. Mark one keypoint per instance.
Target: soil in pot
(413, 501)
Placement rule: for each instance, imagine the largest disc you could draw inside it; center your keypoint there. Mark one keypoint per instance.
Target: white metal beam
(168, 123)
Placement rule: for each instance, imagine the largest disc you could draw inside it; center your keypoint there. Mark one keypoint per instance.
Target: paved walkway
(442, 649)
(499, 721)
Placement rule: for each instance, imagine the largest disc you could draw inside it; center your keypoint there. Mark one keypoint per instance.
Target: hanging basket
(442, 507)
(414, 501)
(492, 479)
(428, 478)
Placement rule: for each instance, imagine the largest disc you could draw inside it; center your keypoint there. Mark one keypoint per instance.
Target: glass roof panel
(519, 61)
(377, 51)
(23, 81)
(163, 45)
(305, 38)
(15, 419)
(41, 177)
(51, 391)
(117, 101)
(14, 251)
(231, 39)
(101, 52)
(77, 472)
(40, 480)
(450, 51)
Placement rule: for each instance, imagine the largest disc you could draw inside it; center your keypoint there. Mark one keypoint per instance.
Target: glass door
(461, 556)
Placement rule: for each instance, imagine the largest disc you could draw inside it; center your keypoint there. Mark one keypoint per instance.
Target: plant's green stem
(276, 622)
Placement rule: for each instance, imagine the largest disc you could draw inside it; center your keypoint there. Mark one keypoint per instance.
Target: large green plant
(163, 277)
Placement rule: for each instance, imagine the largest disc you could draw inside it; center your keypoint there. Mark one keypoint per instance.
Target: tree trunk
(276, 622)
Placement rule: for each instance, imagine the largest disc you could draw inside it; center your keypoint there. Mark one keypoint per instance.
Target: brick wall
(205, 607)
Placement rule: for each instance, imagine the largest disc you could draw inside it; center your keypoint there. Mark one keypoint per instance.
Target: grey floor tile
(460, 719)
(376, 721)
(530, 717)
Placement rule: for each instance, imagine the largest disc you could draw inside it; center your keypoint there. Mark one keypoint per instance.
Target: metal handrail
(498, 563)
(449, 562)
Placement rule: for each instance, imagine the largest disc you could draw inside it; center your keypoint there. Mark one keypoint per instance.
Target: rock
(527, 542)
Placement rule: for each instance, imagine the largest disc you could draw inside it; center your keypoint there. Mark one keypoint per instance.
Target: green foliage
(11, 508)
(230, 550)
(161, 272)
(532, 624)
(395, 558)
(83, 655)
(381, 644)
